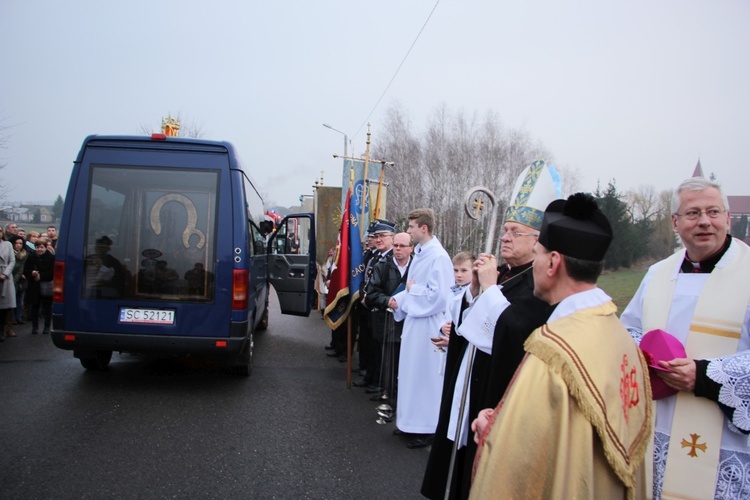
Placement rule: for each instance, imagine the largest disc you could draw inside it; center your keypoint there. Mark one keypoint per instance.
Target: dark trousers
(364, 339)
(339, 339)
(374, 362)
(45, 305)
(389, 370)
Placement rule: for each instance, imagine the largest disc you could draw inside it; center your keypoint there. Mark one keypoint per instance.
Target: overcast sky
(632, 90)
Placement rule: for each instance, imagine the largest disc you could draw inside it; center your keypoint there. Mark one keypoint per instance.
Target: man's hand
(446, 328)
(486, 266)
(681, 375)
(480, 423)
(474, 286)
(443, 342)
(393, 304)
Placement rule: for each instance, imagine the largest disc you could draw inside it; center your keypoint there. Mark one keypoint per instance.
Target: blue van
(164, 247)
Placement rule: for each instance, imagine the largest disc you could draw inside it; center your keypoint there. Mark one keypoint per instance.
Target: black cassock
(490, 376)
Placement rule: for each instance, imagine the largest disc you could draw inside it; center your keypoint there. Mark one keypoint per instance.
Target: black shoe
(332, 355)
(379, 397)
(372, 389)
(45, 332)
(329, 348)
(399, 432)
(361, 383)
(34, 332)
(422, 441)
(342, 358)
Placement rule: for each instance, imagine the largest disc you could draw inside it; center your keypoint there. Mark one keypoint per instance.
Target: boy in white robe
(422, 304)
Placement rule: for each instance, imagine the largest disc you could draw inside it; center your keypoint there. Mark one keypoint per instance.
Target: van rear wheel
(97, 361)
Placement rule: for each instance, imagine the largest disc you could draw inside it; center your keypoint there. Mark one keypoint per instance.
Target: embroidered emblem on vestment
(628, 387)
(694, 445)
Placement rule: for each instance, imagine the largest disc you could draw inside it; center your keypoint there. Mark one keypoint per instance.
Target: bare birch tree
(650, 213)
(436, 168)
(643, 202)
(663, 240)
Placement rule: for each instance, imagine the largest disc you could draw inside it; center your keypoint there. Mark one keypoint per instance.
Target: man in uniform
(382, 232)
(700, 296)
(387, 277)
(497, 323)
(576, 418)
(421, 306)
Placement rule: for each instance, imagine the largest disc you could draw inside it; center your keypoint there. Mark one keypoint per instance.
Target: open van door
(291, 263)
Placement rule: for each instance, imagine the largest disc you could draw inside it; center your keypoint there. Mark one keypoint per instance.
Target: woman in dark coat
(39, 271)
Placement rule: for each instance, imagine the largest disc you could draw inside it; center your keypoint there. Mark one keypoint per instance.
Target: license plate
(147, 316)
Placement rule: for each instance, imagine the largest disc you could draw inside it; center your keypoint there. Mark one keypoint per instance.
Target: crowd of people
(27, 264)
(523, 379)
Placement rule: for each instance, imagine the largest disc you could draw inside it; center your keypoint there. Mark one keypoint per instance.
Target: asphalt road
(177, 428)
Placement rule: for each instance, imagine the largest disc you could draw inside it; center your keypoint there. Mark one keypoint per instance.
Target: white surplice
(423, 308)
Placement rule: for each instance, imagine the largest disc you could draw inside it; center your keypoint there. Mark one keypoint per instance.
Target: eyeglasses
(516, 234)
(695, 214)
(399, 245)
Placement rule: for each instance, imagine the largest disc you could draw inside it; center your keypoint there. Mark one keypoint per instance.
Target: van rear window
(150, 233)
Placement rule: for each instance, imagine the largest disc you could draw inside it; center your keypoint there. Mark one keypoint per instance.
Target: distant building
(739, 206)
(41, 214)
(698, 171)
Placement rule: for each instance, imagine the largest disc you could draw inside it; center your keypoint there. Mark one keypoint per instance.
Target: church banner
(328, 211)
(347, 277)
(365, 190)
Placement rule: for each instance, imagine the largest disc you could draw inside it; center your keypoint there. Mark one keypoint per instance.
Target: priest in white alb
(701, 296)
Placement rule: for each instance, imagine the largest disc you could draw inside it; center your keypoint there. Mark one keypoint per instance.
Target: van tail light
(239, 290)
(57, 282)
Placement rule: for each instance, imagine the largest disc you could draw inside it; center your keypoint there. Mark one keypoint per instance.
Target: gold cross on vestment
(693, 445)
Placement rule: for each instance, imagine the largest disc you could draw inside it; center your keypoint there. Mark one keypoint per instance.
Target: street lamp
(346, 138)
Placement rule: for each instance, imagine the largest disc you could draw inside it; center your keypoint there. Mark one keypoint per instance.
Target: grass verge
(621, 285)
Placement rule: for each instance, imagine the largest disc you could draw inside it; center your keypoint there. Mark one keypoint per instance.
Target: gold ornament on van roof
(170, 126)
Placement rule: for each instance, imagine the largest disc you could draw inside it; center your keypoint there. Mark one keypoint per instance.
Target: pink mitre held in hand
(658, 345)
